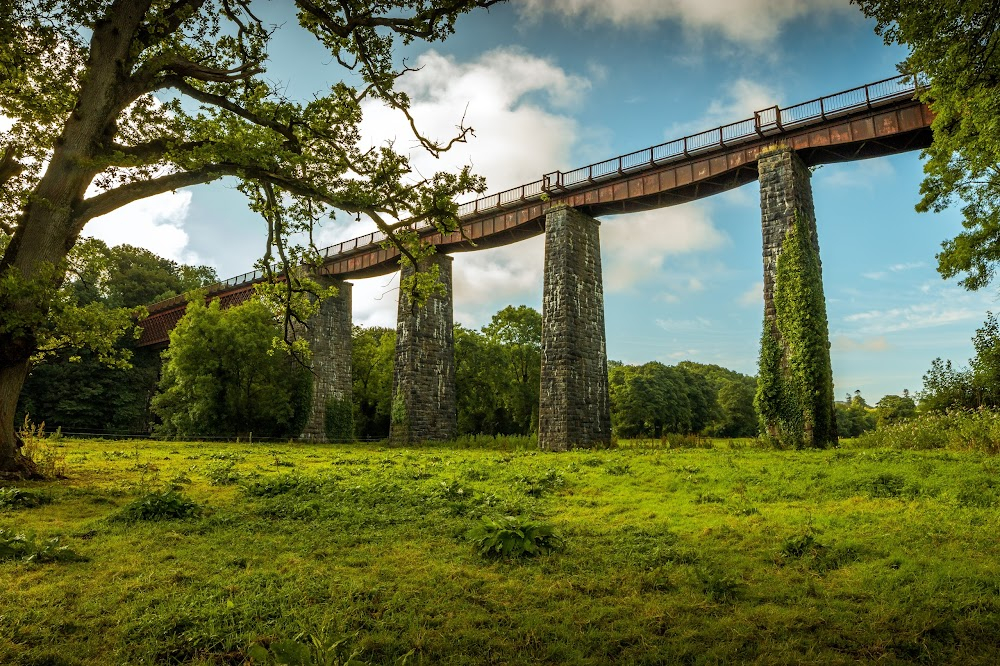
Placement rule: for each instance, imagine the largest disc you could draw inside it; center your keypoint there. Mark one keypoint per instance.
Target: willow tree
(113, 101)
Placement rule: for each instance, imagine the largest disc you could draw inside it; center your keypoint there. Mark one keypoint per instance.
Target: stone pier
(795, 321)
(423, 382)
(574, 410)
(329, 336)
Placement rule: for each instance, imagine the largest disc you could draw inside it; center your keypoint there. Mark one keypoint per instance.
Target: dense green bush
(24, 547)
(513, 536)
(972, 430)
(167, 505)
(15, 498)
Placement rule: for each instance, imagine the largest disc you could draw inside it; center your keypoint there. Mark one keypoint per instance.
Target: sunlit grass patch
(668, 555)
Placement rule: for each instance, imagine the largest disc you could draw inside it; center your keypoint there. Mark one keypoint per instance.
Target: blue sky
(554, 84)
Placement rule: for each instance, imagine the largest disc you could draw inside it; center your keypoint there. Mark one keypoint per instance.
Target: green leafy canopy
(954, 43)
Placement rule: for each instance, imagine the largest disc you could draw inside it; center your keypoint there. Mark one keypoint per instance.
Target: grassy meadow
(231, 553)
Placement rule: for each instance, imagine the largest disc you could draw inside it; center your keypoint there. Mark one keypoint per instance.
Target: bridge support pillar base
(796, 400)
(423, 384)
(329, 335)
(574, 410)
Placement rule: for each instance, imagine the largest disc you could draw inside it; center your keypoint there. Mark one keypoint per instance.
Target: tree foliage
(372, 358)
(854, 416)
(498, 373)
(947, 387)
(956, 45)
(113, 101)
(653, 399)
(224, 377)
(71, 387)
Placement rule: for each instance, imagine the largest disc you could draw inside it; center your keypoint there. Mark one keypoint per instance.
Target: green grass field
(319, 554)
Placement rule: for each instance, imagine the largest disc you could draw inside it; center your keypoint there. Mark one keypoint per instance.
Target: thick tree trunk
(48, 229)
(13, 464)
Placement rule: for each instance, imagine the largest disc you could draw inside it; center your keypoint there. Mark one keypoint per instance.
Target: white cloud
(635, 246)
(515, 101)
(866, 174)
(874, 275)
(155, 223)
(843, 343)
(751, 22)
(518, 105)
(486, 280)
(374, 300)
(739, 101)
(924, 315)
(897, 268)
(754, 296)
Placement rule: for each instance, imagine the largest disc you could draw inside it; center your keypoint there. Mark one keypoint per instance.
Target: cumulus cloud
(865, 174)
(923, 315)
(513, 100)
(635, 246)
(754, 296)
(749, 22)
(740, 99)
(843, 343)
(374, 300)
(516, 102)
(155, 223)
(486, 280)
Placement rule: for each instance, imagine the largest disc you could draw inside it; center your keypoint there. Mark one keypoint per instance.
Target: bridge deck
(878, 119)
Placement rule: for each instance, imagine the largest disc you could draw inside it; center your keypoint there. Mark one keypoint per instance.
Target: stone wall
(423, 386)
(796, 397)
(574, 410)
(784, 189)
(329, 336)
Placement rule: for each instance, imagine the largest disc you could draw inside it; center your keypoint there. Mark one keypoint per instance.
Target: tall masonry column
(329, 336)
(796, 378)
(574, 410)
(423, 381)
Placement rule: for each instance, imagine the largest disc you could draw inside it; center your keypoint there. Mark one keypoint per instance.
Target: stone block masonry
(329, 336)
(423, 382)
(785, 189)
(574, 410)
(795, 380)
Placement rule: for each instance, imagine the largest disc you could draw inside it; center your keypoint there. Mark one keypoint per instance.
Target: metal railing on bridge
(767, 122)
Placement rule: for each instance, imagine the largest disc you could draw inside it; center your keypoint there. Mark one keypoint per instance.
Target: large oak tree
(116, 100)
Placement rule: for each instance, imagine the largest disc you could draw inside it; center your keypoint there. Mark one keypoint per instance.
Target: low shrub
(514, 537)
(23, 547)
(166, 505)
(969, 430)
(15, 498)
(223, 474)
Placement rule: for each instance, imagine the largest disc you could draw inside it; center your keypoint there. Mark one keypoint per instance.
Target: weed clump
(15, 498)
(977, 430)
(24, 547)
(154, 506)
(514, 537)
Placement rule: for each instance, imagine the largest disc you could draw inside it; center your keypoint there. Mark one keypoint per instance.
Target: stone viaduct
(776, 146)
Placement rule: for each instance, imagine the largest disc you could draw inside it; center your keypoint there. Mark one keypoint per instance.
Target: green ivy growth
(794, 398)
(339, 419)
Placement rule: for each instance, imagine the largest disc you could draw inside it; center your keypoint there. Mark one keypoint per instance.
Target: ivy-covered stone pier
(795, 385)
(574, 410)
(329, 336)
(423, 382)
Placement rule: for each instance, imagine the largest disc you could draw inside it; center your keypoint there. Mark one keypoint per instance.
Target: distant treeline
(224, 377)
